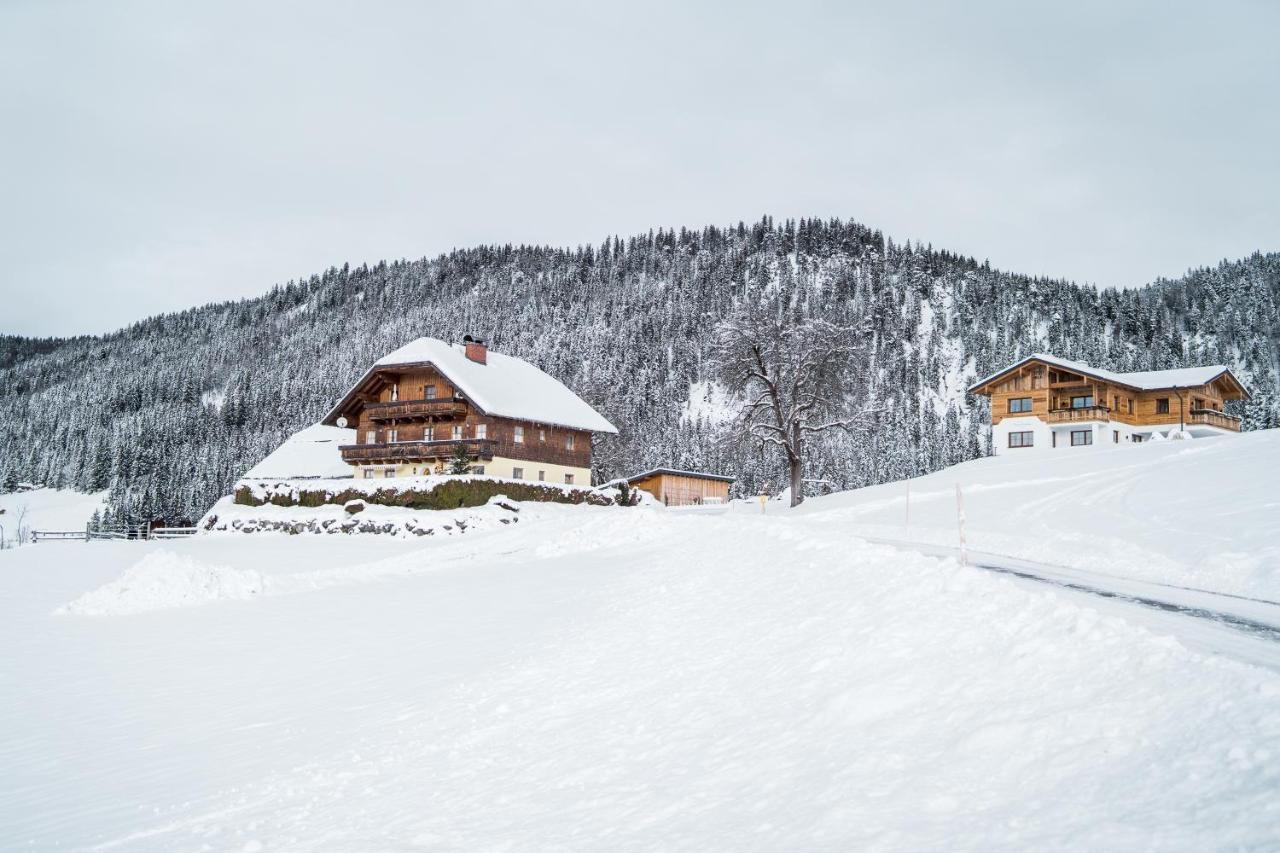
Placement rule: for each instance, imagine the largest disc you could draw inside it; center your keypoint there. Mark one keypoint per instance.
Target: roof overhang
(349, 400)
(1239, 386)
(701, 475)
(977, 387)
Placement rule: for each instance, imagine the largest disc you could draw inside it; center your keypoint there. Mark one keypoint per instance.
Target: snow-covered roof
(702, 475)
(311, 452)
(505, 386)
(1143, 380)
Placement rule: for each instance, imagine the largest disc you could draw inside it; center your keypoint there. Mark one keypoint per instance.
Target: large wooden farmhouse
(1048, 402)
(417, 408)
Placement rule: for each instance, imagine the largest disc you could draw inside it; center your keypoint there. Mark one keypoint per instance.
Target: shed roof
(702, 475)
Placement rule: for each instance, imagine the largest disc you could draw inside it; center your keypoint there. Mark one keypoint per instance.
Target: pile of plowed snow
(162, 580)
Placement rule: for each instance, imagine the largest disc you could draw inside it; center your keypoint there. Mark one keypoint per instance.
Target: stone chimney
(476, 350)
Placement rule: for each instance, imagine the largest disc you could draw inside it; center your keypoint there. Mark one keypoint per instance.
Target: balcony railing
(1083, 413)
(416, 451)
(443, 407)
(1212, 417)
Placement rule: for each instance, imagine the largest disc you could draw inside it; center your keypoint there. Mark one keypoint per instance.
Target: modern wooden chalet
(683, 488)
(417, 408)
(1044, 401)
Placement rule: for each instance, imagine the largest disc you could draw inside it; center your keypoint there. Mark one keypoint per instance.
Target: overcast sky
(159, 155)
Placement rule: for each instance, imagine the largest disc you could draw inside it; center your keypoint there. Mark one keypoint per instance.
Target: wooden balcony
(443, 408)
(415, 451)
(1084, 413)
(1214, 418)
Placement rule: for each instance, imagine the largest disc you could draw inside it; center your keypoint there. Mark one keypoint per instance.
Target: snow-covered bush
(421, 493)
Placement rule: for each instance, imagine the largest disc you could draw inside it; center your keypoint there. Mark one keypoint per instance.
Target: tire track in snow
(1260, 627)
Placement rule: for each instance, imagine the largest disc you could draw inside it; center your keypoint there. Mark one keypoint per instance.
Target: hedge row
(450, 494)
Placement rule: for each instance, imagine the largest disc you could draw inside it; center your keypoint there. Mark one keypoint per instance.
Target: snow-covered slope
(1202, 513)
(599, 677)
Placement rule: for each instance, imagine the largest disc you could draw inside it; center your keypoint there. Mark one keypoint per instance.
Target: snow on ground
(1202, 513)
(48, 509)
(605, 678)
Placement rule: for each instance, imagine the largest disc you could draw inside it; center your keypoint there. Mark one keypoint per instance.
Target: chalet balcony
(1214, 418)
(415, 451)
(1082, 413)
(443, 407)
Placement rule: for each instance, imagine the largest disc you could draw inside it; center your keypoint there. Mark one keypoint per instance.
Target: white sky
(159, 155)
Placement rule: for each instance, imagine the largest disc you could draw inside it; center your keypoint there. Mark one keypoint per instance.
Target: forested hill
(168, 412)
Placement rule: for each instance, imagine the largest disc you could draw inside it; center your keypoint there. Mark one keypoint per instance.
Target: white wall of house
(1106, 434)
(1029, 423)
(496, 467)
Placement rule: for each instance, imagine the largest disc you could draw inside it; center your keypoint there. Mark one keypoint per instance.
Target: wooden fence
(131, 532)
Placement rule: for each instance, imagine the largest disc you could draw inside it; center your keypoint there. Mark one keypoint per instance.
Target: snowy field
(605, 678)
(47, 509)
(1203, 513)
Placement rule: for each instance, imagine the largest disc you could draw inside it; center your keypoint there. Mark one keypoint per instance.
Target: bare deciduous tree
(795, 379)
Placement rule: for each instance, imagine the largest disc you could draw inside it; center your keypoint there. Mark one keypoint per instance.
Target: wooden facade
(683, 488)
(1043, 402)
(1059, 395)
(412, 417)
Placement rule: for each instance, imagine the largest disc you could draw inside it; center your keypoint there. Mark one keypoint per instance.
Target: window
(517, 434)
(1083, 402)
(1197, 403)
(1019, 404)
(389, 472)
(1137, 439)
(371, 437)
(542, 435)
(429, 392)
(368, 473)
(542, 476)
(1131, 405)
(457, 432)
(477, 469)
(395, 391)
(568, 479)
(568, 442)
(482, 430)
(517, 473)
(391, 436)
(1081, 437)
(1022, 439)
(428, 433)
(1115, 436)
(1162, 405)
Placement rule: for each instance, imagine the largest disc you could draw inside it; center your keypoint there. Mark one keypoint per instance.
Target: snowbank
(163, 580)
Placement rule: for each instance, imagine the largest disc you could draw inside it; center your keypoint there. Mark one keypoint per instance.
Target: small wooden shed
(683, 488)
